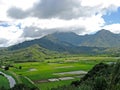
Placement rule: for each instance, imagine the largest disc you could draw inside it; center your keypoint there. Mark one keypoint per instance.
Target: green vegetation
(23, 87)
(4, 82)
(102, 38)
(102, 43)
(50, 69)
(31, 69)
(49, 85)
(100, 77)
(56, 60)
(41, 72)
(34, 66)
(21, 81)
(29, 54)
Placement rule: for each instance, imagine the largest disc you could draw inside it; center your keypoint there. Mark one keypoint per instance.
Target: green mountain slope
(102, 42)
(102, 38)
(48, 42)
(53, 44)
(31, 53)
(69, 37)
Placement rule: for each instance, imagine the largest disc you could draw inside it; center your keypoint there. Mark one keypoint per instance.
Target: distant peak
(64, 33)
(104, 31)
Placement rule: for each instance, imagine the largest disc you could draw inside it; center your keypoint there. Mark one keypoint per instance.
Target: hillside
(52, 43)
(101, 42)
(69, 37)
(31, 53)
(102, 38)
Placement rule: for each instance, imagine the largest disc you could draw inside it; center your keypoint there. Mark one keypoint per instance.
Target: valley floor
(58, 72)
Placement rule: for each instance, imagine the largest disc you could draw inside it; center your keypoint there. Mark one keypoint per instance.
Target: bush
(23, 87)
(85, 87)
(6, 68)
(100, 83)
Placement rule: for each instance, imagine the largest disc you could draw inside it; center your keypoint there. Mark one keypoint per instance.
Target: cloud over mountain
(36, 18)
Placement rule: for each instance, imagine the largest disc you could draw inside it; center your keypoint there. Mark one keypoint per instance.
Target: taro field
(57, 72)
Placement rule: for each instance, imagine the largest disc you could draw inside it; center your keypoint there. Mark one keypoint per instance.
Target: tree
(115, 76)
(20, 67)
(100, 83)
(6, 68)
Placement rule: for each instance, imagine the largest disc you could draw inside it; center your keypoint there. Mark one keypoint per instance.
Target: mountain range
(71, 42)
(102, 38)
(60, 44)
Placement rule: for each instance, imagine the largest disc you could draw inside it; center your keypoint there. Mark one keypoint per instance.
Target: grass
(19, 79)
(45, 70)
(49, 85)
(27, 82)
(4, 82)
(14, 75)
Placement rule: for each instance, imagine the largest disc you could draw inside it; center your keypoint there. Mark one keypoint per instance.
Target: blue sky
(113, 17)
(4, 25)
(22, 20)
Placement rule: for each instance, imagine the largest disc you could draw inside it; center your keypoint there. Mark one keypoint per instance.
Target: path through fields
(11, 80)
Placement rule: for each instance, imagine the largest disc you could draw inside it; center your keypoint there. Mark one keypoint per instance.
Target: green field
(40, 72)
(48, 86)
(4, 82)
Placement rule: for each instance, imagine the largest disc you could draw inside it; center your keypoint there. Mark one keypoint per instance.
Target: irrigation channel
(11, 80)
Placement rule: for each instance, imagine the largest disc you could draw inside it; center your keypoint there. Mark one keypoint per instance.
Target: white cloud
(5, 5)
(23, 4)
(88, 25)
(113, 27)
(40, 17)
(11, 34)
